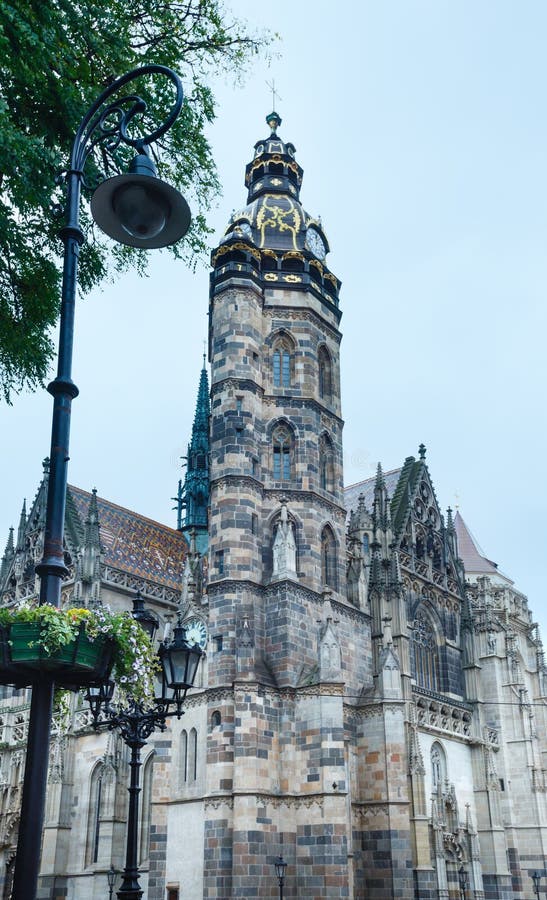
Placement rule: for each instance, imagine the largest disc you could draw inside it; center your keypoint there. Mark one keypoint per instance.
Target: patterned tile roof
(366, 487)
(135, 544)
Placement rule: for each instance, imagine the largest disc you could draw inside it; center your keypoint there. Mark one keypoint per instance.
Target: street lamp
(136, 209)
(536, 878)
(111, 879)
(280, 866)
(464, 881)
(179, 663)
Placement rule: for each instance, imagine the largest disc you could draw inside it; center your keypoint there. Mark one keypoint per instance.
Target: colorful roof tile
(133, 543)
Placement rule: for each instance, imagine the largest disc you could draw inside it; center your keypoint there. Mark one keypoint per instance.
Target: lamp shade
(280, 866)
(145, 617)
(139, 209)
(99, 696)
(180, 661)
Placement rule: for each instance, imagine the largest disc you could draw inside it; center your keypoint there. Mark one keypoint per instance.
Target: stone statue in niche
(284, 546)
(356, 574)
(330, 657)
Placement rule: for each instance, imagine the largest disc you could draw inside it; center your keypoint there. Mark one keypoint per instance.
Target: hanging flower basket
(75, 647)
(79, 661)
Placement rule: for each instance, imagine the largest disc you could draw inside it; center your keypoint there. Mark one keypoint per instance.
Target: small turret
(91, 547)
(87, 580)
(22, 527)
(7, 558)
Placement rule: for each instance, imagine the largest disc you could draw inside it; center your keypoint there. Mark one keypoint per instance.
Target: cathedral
(372, 701)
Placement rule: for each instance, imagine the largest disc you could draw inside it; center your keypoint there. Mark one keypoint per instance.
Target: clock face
(196, 632)
(315, 243)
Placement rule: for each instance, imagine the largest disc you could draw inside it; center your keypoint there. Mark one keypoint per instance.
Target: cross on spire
(275, 94)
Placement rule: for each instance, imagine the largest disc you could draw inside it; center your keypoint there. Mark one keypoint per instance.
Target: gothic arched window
(282, 445)
(425, 654)
(438, 766)
(193, 755)
(326, 463)
(328, 558)
(94, 815)
(283, 361)
(189, 756)
(184, 755)
(325, 373)
(146, 810)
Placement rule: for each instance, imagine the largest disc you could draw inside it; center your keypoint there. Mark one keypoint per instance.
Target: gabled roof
(366, 487)
(132, 542)
(404, 490)
(474, 561)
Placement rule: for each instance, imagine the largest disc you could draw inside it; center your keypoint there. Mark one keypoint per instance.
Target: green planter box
(79, 663)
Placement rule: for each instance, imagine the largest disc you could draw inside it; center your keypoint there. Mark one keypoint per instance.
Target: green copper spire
(193, 495)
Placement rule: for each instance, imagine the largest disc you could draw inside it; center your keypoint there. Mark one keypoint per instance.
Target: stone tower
(277, 548)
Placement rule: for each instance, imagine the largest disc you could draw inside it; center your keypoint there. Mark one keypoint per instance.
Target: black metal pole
(27, 861)
(130, 889)
(280, 889)
(52, 566)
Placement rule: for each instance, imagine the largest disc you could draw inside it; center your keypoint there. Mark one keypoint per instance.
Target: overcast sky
(421, 128)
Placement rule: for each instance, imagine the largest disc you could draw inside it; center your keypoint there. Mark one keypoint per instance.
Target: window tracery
(425, 654)
(326, 463)
(282, 445)
(438, 766)
(283, 361)
(325, 373)
(328, 558)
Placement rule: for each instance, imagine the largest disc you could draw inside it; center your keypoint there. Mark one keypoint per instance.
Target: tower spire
(7, 557)
(193, 495)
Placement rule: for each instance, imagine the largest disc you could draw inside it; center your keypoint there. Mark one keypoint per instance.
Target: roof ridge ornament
(273, 121)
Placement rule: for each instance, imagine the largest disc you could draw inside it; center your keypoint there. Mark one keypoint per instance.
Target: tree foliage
(56, 56)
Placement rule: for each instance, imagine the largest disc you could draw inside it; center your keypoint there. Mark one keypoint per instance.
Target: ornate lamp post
(464, 881)
(136, 209)
(280, 866)
(179, 662)
(111, 879)
(536, 878)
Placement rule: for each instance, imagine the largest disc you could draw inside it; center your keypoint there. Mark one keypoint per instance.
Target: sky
(421, 129)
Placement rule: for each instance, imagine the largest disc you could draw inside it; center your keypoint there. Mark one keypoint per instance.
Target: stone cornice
(298, 312)
(303, 400)
(241, 384)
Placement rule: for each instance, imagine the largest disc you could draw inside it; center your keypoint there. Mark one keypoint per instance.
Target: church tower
(277, 547)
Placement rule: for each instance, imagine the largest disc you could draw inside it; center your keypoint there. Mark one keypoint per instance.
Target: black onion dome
(274, 217)
(273, 241)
